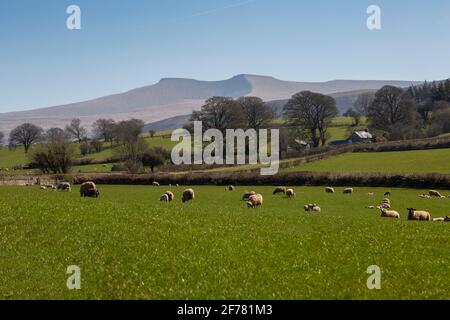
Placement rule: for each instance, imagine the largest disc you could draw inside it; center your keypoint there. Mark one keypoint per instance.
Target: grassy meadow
(130, 246)
(420, 161)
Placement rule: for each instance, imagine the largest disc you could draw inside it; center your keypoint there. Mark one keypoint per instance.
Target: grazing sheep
(370, 207)
(164, 198)
(329, 190)
(435, 193)
(446, 219)
(385, 206)
(312, 208)
(255, 200)
(188, 195)
(387, 194)
(290, 193)
(231, 188)
(65, 186)
(371, 194)
(247, 195)
(348, 191)
(155, 184)
(414, 214)
(279, 190)
(390, 214)
(89, 190)
(170, 195)
(177, 185)
(424, 196)
(43, 188)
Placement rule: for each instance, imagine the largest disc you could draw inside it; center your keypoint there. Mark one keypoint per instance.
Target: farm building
(361, 137)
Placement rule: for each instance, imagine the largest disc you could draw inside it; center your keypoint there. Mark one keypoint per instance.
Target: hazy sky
(128, 44)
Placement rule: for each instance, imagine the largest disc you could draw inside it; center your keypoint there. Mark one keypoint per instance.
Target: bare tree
(312, 112)
(255, 112)
(76, 131)
(362, 103)
(25, 135)
(54, 133)
(128, 131)
(219, 113)
(104, 129)
(392, 110)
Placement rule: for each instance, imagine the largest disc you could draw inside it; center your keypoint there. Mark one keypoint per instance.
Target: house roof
(363, 134)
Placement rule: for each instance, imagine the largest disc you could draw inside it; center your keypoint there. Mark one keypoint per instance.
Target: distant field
(129, 245)
(422, 161)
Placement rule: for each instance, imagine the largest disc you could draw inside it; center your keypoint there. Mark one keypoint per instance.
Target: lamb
(155, 184)
(188, 195)
(164, 198)
(424, 196)
(446, 219)
(414, 214)
(387, 194)
(89, 190)
(255, 201)
(279, 190)
(247, 195)
(371, 194)
(65, 186)
(348, 191)
(390, 214)
(231, 188)
(290, 193)
(435, 193)
(329, 190)
(43, 188)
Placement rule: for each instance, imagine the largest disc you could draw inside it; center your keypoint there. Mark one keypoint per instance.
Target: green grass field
(422, 161)
(129, 245)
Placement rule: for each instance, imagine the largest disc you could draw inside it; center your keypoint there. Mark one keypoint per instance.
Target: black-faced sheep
(155, 184)
(390, 214)
(279, 190)
(290, 193)
(329, 190)
(231, 188)
(255, 201)
(247, 195)
(312, 208)
(65, 186)
(170, 195)
(414, 214)
(188, 195)
(164, 198)
(348, 191)
(387, 194)
(89, 190)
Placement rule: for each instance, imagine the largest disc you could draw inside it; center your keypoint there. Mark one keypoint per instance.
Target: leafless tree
(76, 131)
(25, 135)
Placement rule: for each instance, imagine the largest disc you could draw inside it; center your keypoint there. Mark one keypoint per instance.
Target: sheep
(279, 190)
(348, 191)
(424, 196)
(385, 206)
(164, 198)
(370, 207)
(371, 194)
(65, 186)
(177, 185)
(231, 188)
(89, 190)
(290, 193)
(188, 195)
(155, 184)
(390, 214)
(247, 195)
(312, 208)
(414, 214)
(387, 194)
(435, 193)
(446, 219)
(255, 200)
(43, 188)
(329, 190)
(170, 195)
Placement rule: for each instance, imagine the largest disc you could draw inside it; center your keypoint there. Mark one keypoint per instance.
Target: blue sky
(128, 44)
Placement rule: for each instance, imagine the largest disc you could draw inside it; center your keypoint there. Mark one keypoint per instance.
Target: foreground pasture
(130, 246)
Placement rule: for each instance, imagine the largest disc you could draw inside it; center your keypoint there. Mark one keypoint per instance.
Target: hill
(174, 97)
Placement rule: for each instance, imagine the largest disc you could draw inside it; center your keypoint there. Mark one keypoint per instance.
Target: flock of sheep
(255, 200)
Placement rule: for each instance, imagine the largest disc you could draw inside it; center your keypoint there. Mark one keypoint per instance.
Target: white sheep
(65, 186)
(247, 195)
(435, 193)
(170, 195)
(279, 190)
(414, 214)
(329, 190)
(348, 191)
(255, 201)
(390, 214)
(290, 193)
(164, 198)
